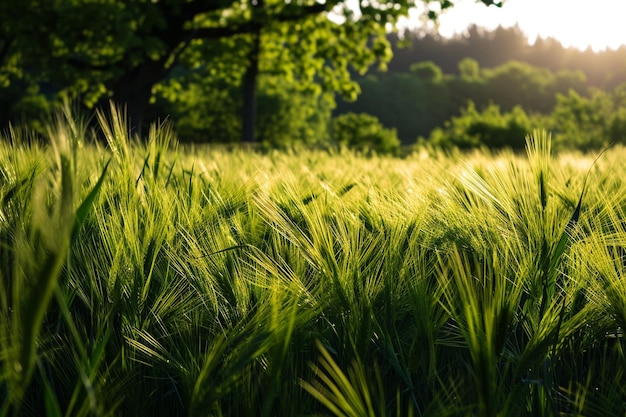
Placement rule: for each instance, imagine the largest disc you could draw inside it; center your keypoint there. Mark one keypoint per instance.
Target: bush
(489, 128)
(617, 127)
(580, 122)
(364, 132)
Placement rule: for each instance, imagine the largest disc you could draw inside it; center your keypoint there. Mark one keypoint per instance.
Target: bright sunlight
(577, 23)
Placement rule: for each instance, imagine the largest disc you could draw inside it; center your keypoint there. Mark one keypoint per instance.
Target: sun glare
(597, 24)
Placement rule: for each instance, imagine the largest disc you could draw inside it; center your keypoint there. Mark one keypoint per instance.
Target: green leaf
(85, 206)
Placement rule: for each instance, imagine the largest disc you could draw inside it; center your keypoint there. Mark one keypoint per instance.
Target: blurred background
(377, 75)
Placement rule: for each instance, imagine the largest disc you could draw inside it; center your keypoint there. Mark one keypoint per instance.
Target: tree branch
(293, 12)
(193, 8)
(222, 32)
(288, 14)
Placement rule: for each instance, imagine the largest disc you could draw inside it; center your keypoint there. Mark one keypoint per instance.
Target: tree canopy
(120, 50)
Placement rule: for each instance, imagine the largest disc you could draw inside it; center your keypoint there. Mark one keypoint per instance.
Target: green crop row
(148, 278)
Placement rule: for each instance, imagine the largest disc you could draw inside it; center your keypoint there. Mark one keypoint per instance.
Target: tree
(490, 128)
(411, 104)
(208, 109)
(17, 82)
(469, 69)
(588, 123)
(364, 132)
(122, 49)
(427, 71)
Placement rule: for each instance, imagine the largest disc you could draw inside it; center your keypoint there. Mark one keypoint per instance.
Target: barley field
(147, 278)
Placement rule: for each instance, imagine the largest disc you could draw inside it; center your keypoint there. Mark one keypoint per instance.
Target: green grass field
(150, 279)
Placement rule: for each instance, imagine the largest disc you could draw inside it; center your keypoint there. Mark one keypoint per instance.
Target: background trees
(418, 101)
(603, 69)
(123, 49)
(205, 65)
(364, 132)
(490, 128)
(590, 122)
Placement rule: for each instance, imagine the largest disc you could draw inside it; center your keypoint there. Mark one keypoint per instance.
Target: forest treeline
(491, 87)
(484, 88)
(604, 69)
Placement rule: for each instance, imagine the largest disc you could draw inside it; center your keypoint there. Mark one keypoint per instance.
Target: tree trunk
(249, 90)
(134, 89)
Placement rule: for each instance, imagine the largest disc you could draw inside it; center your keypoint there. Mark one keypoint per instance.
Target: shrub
(580, 122)
(617, 127)
(588, 123)
(489, 128)
(364, 132)
(428, 71)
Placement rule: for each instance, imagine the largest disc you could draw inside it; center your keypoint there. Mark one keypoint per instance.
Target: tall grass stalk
(143, 277)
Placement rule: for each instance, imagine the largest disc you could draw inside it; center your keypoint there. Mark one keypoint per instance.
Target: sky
(598, 24)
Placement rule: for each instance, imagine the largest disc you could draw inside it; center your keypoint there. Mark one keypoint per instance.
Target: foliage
(469, 69)
(590, 123)
(489, 128)
(427, 71)
(364, 132)
(205, 109)
(579, 122)
(517, 83)
(145, 51)
(493, 48)
(418, 101)
(405, 102)
(293, 115)
(96, 51)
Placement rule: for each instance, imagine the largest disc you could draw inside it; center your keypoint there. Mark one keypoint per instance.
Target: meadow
(151, 278)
